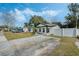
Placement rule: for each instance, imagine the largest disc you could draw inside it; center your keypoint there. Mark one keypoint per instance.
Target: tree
(36, 20)
(71, 18)
(25, 24)
(58, 23)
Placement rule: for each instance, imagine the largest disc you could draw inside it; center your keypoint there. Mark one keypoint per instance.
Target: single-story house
(27, 29)
(46, 28)
(42, 28)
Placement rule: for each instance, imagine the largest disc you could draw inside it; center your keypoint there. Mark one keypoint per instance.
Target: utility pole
(76, 22)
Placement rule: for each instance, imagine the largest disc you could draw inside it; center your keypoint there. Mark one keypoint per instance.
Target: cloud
(21, 15)
(18, 15)
(49, 13)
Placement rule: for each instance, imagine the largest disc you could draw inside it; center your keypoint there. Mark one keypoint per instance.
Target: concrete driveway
(31, 46)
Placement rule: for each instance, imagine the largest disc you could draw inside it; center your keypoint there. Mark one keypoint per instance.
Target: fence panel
(57, 32)
(70, 32)
(77, 32)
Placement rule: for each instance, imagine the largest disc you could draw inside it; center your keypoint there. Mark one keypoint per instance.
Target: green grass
(66, 48)
(11, 36)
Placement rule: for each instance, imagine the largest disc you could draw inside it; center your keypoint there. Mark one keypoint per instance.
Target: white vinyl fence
(70, 32)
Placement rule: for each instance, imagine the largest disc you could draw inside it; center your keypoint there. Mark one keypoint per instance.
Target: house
(4, 28)
(28, 28)
(25, 29)
(46, 28)
(42, 28)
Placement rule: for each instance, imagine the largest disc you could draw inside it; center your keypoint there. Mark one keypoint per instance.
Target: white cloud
(19, 15)
(50, 13)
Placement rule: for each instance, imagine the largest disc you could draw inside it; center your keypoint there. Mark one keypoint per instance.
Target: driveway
(36, 45)
(31, 46)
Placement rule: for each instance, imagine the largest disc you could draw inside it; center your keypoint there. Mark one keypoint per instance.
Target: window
(39, 29)
(43, 29)
(47, 30)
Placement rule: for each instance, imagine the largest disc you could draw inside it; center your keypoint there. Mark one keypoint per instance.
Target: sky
(23, 11)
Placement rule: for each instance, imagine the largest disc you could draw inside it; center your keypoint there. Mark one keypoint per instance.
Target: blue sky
(23, 12)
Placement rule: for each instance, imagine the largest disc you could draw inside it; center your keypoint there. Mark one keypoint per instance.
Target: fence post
(62, 32)
(76, 32)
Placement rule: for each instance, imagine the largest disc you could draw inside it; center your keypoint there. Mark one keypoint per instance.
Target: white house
(46, 28)
(28, 29)
(42, 28)
(25, 29)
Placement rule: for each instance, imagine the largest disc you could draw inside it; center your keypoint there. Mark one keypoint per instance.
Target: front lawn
(11, 36)
(66, 48)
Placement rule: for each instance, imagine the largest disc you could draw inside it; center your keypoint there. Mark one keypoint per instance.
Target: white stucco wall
(25, 29)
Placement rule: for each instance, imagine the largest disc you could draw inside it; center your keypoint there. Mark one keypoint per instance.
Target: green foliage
(36, 20)
(72, 15)
(58, 23)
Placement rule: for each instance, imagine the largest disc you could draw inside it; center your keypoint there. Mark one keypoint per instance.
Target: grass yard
(66, 48)
(11, 36)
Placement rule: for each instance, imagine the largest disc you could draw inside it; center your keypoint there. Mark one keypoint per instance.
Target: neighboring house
(28, 29)
(46, 28)
(4, 28)
(25, 29)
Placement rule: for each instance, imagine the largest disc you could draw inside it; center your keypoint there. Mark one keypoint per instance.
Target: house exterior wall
(50, 30)
(40, 30)
(25, 29)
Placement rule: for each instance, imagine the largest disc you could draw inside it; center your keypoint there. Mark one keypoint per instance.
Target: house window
(47, 30)
(43, 29)
(39, 29)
